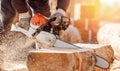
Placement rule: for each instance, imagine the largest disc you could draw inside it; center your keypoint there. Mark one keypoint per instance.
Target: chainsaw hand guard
(63, 25)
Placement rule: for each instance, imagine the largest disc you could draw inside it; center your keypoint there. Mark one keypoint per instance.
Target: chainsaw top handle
(48, 22)
(45, 27)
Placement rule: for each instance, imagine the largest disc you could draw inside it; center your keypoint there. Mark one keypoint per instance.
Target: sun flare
(110, 2)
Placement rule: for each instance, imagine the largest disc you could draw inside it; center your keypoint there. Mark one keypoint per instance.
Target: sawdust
(15, 46)
(15, 66)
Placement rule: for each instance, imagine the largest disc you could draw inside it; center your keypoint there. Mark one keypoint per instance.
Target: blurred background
(89, 15)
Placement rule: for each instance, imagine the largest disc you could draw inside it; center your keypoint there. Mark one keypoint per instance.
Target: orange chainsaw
(45, 31)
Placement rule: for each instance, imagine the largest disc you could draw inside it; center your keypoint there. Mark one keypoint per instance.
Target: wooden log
(56, 59)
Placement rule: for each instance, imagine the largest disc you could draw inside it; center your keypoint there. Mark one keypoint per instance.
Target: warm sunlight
(77, 11)
(110, 2)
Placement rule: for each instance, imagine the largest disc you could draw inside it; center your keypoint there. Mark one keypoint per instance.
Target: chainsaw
(45, 35)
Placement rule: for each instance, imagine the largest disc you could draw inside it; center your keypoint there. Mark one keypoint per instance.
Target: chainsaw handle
(44, 25)
(48, 22)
